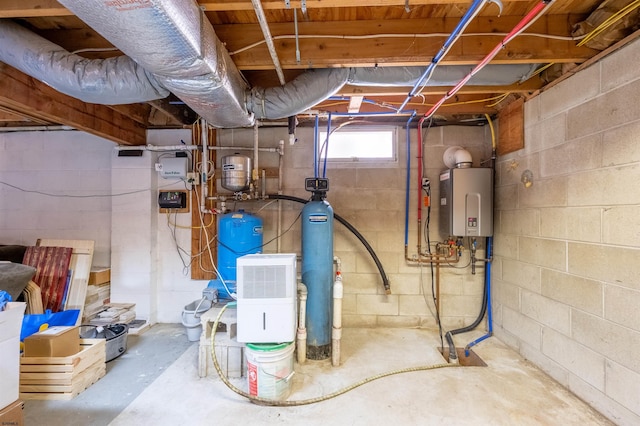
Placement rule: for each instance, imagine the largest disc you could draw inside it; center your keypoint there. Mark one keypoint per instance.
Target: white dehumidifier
(266, 295)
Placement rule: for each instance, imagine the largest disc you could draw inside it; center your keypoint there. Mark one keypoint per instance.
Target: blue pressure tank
(239, 233)
(317, 275)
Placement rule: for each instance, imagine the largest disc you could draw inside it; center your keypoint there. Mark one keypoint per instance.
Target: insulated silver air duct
(314, 86)
(175, 42)
(100, 81)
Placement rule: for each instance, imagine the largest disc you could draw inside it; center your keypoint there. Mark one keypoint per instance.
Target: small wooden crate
(63, 377)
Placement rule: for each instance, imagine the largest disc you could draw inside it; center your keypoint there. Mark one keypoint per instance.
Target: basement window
(353, 144)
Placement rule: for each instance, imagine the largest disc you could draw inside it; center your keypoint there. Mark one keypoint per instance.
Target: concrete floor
(156, 382)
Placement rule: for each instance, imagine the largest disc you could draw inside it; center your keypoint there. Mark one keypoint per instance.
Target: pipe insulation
(176, 43)
(111, 81)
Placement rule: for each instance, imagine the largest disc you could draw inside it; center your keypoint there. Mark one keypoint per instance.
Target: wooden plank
(237, 5)
(40, 8)
(80, 264)
(511, 127)
(88, 348)
(65, 391)
(30, 97)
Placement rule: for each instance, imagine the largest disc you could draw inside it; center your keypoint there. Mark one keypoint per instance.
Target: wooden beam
(410, 45)
(511, 127)
(236, 5)
(178, 114)
(40, 8)
(30, 97)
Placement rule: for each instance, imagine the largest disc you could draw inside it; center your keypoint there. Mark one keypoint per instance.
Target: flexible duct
(171, 46)
(109, 81)
(176, 43)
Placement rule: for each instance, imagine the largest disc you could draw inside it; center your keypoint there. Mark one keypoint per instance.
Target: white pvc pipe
(336, 332)
(242, 148)
(279, 220)
(157, 148)
(256, 170)
(301, 336)
(205, 166)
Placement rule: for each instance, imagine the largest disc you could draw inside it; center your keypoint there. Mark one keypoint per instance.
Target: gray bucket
(191, 317)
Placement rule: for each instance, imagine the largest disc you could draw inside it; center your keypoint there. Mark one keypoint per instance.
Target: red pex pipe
(521, 26)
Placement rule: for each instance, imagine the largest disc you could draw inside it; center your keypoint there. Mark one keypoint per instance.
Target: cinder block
(377, 304)
(460, 306)
(548, 365)
(622, 145)
(575, 357)
(601, 402)
(620, 225)
(621, 306)
(506, 294)
(394, 321)
(619, 106)
(623, 385)
(616, 342)
(577, 292)
(619, 69)
(521, 274)
(579, 223)
(570, 92)
(546, 134)
(546, 311)
(409, 283)
(360, 321)
(543, 252)
(505, 246)
(582, 121)
(545, 192)
(415, 305)
(573, 156)
(603, 187)
(605, 263)
(522, 327)
(520, 222)
(379, 178)
(532, 111)
(506, 197)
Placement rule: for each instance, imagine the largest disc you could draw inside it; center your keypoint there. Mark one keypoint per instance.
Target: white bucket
(269, 369)
(191, 317)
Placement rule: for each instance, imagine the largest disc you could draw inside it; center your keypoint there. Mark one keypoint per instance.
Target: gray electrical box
(466, 202)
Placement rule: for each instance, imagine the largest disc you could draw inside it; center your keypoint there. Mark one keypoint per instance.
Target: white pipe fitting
(336, 332)
(301, 335)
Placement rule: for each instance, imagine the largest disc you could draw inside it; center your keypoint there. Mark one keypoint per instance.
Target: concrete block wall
(371, 196)
(566, 286)
(61, 187)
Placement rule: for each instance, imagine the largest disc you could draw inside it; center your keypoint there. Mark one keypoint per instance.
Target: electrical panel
(266, 289)
(466, 202)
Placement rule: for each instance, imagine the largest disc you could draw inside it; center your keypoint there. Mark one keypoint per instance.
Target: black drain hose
(354, 231)
(453, 356)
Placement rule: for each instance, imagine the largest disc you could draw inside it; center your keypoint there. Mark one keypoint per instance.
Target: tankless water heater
(466, 202)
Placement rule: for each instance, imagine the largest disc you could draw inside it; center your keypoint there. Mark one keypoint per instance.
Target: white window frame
(345, 131)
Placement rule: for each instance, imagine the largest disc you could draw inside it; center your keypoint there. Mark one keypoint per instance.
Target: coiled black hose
(354, 231)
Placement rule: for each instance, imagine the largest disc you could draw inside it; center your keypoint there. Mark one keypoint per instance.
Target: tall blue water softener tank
(239, 233)
(317, 275)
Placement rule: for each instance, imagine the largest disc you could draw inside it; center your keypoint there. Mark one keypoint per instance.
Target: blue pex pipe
(315, 148)
(408, 182)
(453, 37)
(487, 283)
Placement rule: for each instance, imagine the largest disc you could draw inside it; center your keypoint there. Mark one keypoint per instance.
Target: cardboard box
(99, 276)
(12, 415)
(10, 326)
(53, 342)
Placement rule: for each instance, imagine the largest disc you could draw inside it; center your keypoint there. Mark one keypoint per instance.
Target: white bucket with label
(191, 317)
(270, 369)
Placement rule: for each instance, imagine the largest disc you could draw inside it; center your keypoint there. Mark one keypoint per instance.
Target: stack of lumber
(116, 313)
(33, 296)
(63, 377)
(98, 293)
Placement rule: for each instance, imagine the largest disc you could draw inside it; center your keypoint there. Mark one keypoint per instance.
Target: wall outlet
(193, 178)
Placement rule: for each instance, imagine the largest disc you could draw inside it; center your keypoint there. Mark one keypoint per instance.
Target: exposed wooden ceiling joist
(33, 98)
